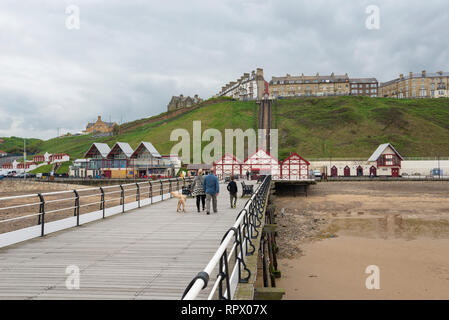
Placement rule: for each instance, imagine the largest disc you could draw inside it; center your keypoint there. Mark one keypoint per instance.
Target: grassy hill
(313, 127)
(15, 145)
(355, 126)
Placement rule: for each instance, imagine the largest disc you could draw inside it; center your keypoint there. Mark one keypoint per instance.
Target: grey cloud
(129, 57)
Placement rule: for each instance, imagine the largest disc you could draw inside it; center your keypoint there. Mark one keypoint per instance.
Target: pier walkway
(147, 253)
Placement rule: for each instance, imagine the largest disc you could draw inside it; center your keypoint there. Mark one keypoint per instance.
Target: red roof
(266, 152)
(294, 154)
(226, 155)
(2, 152)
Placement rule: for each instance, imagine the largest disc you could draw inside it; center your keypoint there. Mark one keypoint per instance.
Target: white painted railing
(235, 246)
(92, 201)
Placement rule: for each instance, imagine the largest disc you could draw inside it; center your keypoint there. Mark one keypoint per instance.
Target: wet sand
(327, 241)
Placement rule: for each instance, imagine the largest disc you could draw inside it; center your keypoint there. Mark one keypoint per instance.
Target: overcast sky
(129, 57)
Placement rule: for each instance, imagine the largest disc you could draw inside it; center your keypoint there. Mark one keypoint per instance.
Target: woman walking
(198, 190)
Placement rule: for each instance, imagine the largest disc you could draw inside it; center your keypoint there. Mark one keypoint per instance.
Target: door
(347, 171)
(334, 171)
(395, 172)
(373, 171)
(359, 171)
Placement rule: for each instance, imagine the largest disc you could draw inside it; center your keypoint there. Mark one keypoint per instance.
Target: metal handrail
(76, 197)
(240, 236)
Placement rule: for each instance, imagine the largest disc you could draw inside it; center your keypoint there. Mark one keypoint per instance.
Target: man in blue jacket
(212, 189)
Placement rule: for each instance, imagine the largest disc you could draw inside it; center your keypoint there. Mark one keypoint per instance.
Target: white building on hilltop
(247, 87)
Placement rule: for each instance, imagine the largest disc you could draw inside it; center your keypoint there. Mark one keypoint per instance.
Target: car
(11, 174)
(317, 174)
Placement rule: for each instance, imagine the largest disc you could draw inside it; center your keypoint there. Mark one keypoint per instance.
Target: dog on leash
(181, 201)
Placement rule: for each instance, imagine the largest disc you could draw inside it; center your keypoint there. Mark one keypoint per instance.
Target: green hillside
(355, 126)
(313, 127)
(15, 145)
(219, 115)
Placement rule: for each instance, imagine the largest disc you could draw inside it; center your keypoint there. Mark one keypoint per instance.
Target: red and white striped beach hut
(228, 165)
(263, 163)
(295, 167)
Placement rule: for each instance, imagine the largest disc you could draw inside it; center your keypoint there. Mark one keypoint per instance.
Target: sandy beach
(328, 240)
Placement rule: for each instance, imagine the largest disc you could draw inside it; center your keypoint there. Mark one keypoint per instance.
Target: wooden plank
(147, 253)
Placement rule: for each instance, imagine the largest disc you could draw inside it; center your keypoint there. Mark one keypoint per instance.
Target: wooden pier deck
(147, 253)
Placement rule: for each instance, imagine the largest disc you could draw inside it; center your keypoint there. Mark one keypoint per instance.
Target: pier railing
(236, 244)
(38, 214)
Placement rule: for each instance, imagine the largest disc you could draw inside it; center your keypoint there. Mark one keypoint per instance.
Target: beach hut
(261, 162)
(228, 165)
(295, 167)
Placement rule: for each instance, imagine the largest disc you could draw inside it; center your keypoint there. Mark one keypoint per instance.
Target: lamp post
(24, 160)
(439, 170)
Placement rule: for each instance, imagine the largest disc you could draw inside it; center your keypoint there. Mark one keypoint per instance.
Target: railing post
(102, 204)
(122, 198)
(162, 190)
(77, 207)
(41, 221)
(224, 277)
(151, 191)
(244, 232)
(138, 194)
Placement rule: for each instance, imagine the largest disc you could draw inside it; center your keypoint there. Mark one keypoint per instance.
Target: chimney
(424, 73)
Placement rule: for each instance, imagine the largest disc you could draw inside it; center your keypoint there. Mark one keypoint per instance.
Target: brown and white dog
(181, 201)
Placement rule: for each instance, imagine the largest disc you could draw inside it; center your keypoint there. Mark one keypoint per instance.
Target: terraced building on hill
(247, 87)
(417, 85)
(181, 102)
(316, 86)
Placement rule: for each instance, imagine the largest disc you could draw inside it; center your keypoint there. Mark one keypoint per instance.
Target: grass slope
(15, 145)
(313, 127)
(355, 126)
(220, 115)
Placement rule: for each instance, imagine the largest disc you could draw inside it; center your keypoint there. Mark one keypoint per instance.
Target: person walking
(198, 190)
(232, 188)
(247, 175)
(212, 188)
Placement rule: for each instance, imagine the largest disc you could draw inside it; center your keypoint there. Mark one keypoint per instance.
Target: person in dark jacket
(232, 188)
(212, 188)
(247, 175)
